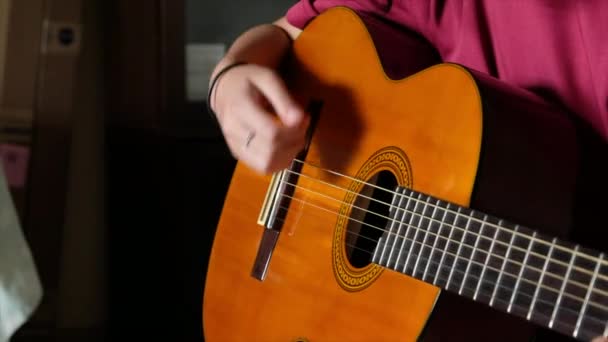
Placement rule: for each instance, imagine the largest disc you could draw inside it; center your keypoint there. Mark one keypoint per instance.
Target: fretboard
(506, 266)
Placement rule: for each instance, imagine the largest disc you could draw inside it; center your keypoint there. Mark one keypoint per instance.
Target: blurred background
(120, 171)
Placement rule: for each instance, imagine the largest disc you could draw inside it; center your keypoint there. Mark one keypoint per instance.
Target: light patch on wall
(200, 61)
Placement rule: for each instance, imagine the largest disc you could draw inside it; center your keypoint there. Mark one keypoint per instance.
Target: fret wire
(376, 250)
(464, 235)
(563, 287)
(485, 264)
(445, 212)
(407, 232)
(475, 248)
(447, 252)
(447, 246)
(397, 207)
(559, 262)
(504, 263)
(426, 236)
(565, 249)
(418, 229)
(521, 271)
(606, 330)
(398, 235)
(399, 218)
(540, 280)
(589, 291)
(592, 318)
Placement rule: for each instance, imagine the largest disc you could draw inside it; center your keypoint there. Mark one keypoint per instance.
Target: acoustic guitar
(445, 180)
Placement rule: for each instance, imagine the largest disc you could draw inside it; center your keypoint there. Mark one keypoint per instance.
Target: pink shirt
(556, 48)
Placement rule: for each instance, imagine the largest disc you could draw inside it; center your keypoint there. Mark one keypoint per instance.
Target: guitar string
(548, 244)
(504, 229)
(452, 226)
(548, 288)
(439, 277)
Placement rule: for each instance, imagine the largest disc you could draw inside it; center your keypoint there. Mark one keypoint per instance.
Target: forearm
(263, 45)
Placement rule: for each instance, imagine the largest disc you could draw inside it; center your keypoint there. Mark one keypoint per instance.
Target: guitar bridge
(277, 200)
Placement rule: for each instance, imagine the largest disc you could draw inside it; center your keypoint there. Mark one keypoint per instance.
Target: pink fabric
(556, 48)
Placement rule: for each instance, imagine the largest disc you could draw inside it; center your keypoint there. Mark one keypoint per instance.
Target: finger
(267, 128)
(253, 155)
(600, 339)
(249, 147)
(261, 155)
(274, 90)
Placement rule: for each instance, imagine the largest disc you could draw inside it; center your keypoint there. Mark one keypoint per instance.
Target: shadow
(336, 122)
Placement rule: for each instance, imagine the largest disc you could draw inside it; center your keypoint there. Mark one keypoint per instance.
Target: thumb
(272, 87)
(600, 339)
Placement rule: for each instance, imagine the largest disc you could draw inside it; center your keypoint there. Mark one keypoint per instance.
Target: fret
(603, 286)
(574, 293)
(396, 225)
(395, 207)
(459, 251)
(422, 230)
(447, 246)
(464, 235)
(426, 234)
(563, 287)
(595, 319)
(512, 268)
(411, 224)
(519, 277)
(405, 221)
(504, 264)
(437, 237)
(531, 287)
(587, 295)
(485, 264)
(540, 281)
(472, 259)
(514, 283)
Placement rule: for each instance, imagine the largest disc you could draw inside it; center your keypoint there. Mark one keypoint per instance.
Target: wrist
(214, 83)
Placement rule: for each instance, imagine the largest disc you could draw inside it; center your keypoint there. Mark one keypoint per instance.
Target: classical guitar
(443, 180)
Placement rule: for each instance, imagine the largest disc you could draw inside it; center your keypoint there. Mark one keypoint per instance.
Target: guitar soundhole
(368, 218)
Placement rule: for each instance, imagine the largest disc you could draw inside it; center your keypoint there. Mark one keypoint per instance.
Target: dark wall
(165, 187)
(221, 21)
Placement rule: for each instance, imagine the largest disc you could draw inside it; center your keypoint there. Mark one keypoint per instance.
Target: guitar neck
(509, 267)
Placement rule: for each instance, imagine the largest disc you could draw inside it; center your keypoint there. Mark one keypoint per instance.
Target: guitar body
(445, 131)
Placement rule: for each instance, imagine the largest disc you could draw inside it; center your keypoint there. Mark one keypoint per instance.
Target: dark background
(168, 167)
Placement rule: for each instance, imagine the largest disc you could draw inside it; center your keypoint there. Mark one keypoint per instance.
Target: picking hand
(263, 125)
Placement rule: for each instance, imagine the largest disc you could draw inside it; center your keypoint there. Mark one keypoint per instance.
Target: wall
(4, 10)
(82, 313)
(222, 21)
